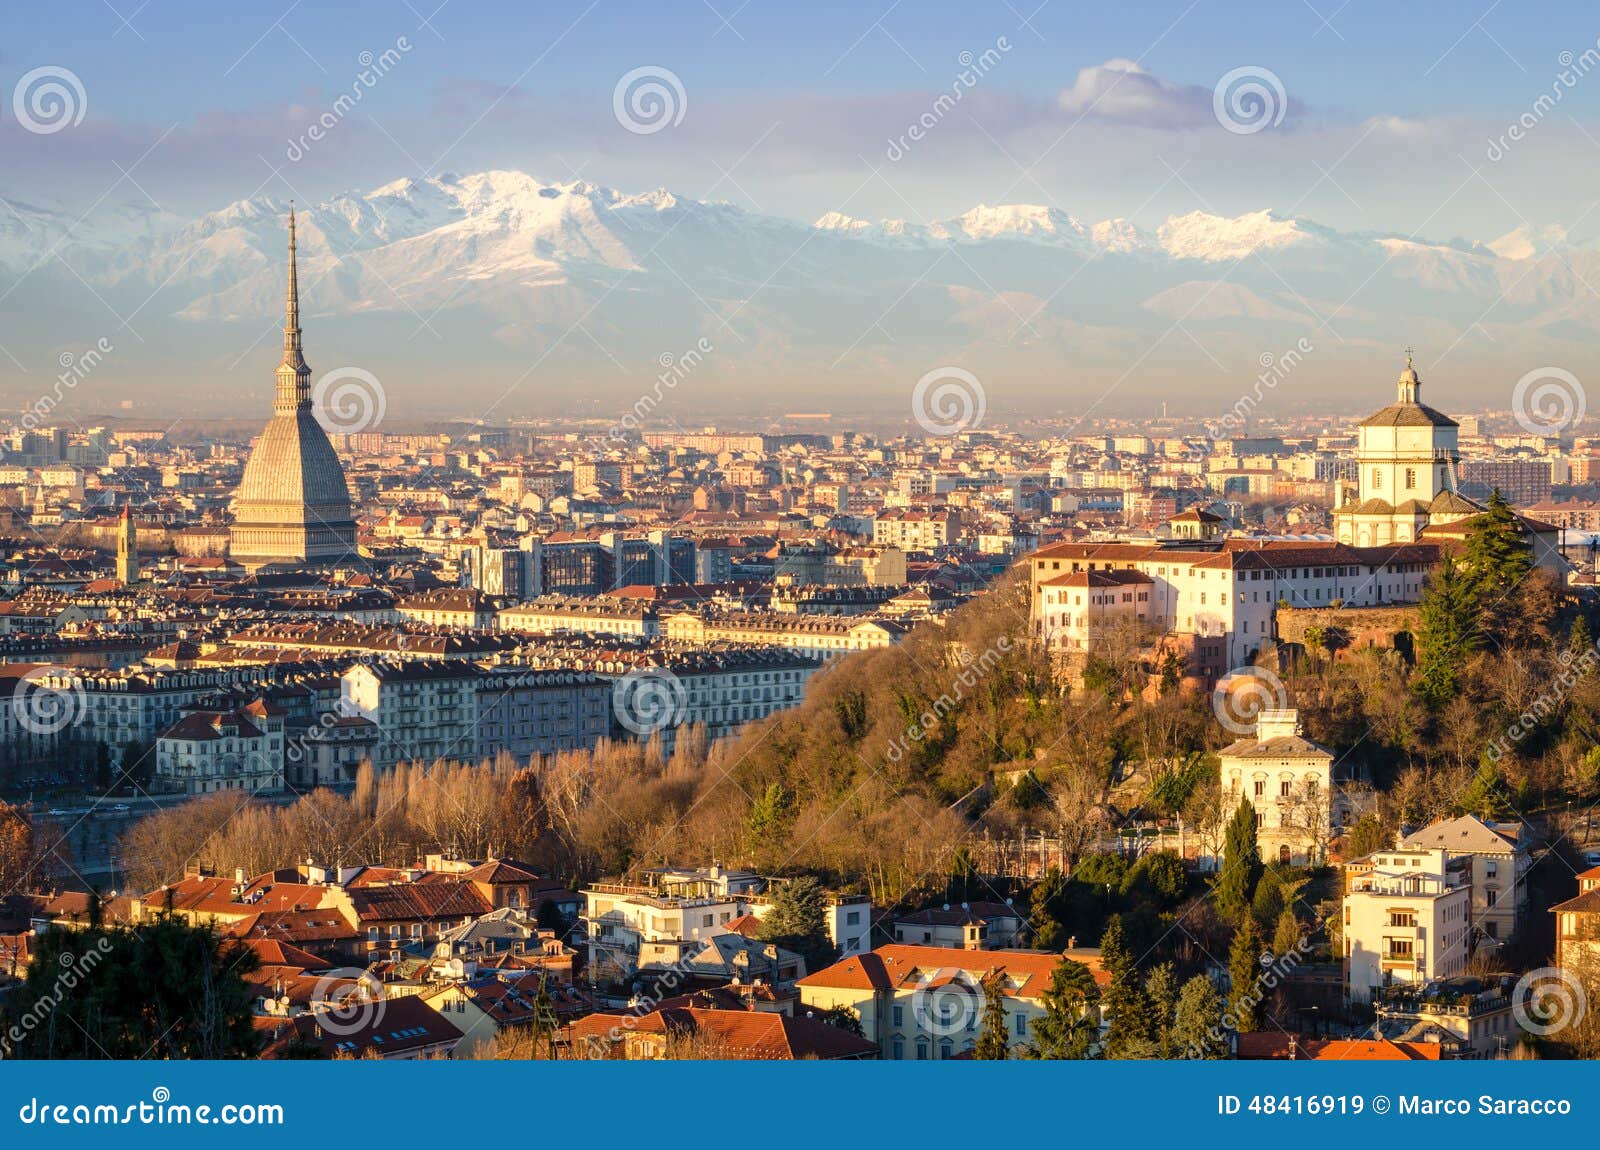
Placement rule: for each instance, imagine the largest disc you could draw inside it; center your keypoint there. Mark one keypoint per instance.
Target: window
(1022, 1025)
(1377, 478)
(1283, 788)
(1411, 478)
(899, 1016)
(1261, 787)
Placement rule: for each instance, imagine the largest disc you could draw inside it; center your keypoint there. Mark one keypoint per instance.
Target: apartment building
(925, 1003)
(1407, 919)
(1497, 857)
(424, 710)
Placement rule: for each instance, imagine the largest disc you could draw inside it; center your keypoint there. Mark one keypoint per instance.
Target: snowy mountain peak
(1030, 221)
(1212, 238)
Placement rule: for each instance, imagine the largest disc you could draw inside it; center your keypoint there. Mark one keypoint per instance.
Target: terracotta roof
(900, 965)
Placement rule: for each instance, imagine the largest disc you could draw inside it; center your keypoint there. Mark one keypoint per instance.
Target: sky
(1394, 117)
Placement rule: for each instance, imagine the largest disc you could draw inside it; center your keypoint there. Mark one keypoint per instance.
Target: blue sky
(790, 106)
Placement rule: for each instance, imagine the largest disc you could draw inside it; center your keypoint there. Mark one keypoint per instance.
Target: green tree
(164, 990)
(1067, 1028)
(770, 815)
(843, 1017)
(797, 920)
(1161, 991)
(1130, 1031)
(1158, 877)
(1197, 1028)
(1287, 934)
(1449, 632)
(994, 1037)
(1496, 555)
(1244, 977)
(1369, 834)
(1045, 910)
(1485, 795)
(1241, 864)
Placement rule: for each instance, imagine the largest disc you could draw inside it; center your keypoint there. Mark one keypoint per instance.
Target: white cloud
(1121, 90)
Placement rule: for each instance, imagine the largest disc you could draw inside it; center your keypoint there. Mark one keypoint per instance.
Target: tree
(1197, 1028)
(1130, 1032)
(1449, 633)
(1043, 914)
(994, 1037)
(1241, 864)
(1288, 934)
(1067, 1028)
(1161, 990)
(796, 920)
(163, 990)
(843, 1017)
(1244, 973)
(1496, 558)
(1158, 877)
(16, 850)
(1369, 834)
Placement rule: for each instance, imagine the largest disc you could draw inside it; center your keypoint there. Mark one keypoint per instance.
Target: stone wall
(1382, 627)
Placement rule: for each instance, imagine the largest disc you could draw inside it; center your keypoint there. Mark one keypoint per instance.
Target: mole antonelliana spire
(293, 506)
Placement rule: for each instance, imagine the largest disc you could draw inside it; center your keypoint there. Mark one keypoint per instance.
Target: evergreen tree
(1244, 974)
(1130, 1033)
(1241, 864)
(1580, 642)
(1065, 1030)
(843, 1017)
(1449, 633)
(1485, 795)
(797, 920)
(1288, 933)
(1161, 990)
(1197, 1028)
(1496, 555)
(994, 1038)
(165, 990)
(1043, 915)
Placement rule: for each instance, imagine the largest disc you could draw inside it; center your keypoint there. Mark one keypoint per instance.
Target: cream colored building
(1289, 782)
(925, 1003)
(1407, 919)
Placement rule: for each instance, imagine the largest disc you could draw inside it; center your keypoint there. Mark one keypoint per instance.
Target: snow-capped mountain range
(496, 270)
